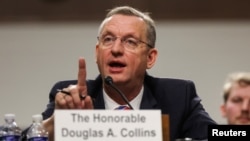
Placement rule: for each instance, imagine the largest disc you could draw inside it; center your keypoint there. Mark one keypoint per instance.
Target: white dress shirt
(110, 104)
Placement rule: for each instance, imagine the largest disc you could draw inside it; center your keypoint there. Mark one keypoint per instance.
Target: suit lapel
(99, 101)
(148, 100)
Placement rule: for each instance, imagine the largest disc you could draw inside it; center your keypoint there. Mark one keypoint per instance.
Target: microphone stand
(109, 81)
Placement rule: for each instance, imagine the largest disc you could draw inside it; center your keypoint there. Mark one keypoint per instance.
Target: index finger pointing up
(81, 82)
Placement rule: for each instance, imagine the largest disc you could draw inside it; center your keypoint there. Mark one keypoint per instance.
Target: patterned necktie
(123, 107)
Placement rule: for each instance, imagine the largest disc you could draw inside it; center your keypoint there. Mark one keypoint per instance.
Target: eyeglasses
(129, 43)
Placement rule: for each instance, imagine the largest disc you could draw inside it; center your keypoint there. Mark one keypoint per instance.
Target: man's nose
(246, 105)
(117, 46)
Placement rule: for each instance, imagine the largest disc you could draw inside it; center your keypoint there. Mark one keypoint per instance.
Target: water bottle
(10, 130)
(1, 132)
(36, 131)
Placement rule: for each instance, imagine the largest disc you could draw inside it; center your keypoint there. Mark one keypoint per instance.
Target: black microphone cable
(109, 81)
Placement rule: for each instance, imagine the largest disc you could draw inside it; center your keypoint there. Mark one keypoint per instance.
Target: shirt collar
(110, 104)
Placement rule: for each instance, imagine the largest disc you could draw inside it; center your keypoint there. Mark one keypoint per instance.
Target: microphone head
(108, 80)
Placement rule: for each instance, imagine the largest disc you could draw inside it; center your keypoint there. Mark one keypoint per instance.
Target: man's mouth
(244, 119)
(116, 64)
(116, 67)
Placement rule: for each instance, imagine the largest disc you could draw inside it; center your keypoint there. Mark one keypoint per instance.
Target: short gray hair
(129, 11)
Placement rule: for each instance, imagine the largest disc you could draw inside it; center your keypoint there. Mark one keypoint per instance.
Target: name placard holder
(165, 127)
(110, 125)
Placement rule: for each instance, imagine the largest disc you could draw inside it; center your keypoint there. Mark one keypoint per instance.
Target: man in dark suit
(124, 51)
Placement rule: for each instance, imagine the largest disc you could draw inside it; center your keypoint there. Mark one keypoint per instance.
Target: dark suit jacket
(175, 97)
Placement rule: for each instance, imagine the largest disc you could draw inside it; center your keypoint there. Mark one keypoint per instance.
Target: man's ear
(223, 110)
(96, 51)
(152, 56)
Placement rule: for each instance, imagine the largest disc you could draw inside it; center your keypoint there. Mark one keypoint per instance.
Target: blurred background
(41, 41)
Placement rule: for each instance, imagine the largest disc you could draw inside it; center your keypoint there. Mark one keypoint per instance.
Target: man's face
(237, 108)
(124, 64)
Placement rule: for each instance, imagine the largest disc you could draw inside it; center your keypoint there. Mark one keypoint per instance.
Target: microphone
(109, 81)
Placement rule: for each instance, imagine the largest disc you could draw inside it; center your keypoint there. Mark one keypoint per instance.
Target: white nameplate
(108, 125)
